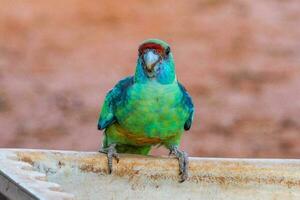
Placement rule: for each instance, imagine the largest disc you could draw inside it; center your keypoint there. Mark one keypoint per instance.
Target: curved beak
(150, 59)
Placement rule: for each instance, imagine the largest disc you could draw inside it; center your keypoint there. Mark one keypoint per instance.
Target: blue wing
(114, 96)
(188, 102)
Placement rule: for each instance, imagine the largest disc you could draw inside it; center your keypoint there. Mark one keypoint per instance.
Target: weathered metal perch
(42, 174)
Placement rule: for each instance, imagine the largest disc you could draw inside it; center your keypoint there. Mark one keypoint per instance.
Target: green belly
(152, 111)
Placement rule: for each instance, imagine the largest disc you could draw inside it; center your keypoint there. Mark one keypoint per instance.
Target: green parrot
(147, 109)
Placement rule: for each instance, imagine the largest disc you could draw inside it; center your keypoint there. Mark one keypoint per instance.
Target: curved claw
(183, 162)
(111, 153)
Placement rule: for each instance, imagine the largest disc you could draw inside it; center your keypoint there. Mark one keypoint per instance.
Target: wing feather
(188, 102)
(114, 96)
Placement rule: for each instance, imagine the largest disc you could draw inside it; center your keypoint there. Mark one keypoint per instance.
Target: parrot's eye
(168, 51)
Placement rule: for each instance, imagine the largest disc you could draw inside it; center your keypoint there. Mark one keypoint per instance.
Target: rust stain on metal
(27, 160)
(92, 168)
(237, 180)
(30, 158)
(61, 164)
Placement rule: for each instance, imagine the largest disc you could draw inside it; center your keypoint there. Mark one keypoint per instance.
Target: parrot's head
(155, 62)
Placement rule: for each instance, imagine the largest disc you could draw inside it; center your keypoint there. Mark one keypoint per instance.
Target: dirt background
(240, 60)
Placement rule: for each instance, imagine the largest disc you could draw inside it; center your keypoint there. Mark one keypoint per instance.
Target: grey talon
(183, 162)
(111, 153)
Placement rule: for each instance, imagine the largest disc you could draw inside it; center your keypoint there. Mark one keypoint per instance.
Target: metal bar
(84, 175)
(2, 197)
(13, 190)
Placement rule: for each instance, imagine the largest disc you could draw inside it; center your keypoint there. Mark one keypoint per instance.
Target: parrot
(150, 108)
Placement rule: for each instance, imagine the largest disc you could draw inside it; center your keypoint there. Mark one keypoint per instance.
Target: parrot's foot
(183, 162)
(111, 153)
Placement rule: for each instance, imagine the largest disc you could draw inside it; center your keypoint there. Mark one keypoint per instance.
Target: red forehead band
(155, 46)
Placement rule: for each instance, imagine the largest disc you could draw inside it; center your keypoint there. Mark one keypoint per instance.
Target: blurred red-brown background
(239, 59)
